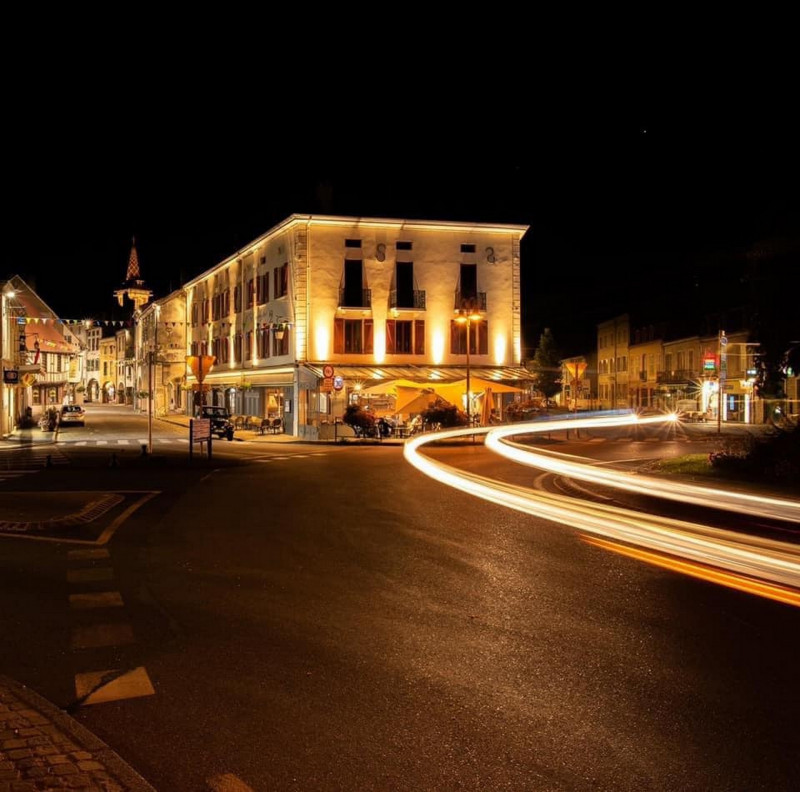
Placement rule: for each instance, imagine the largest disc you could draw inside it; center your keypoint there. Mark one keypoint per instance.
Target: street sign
(10, 376)
(327, 384)
(338, 383)
(327, 371)
(200, 429)
(200, 365)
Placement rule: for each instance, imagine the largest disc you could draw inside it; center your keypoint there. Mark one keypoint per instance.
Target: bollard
(113, 461)
(49, 461)
(144, 450)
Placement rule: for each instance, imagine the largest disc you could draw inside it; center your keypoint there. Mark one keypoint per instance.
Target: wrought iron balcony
(366, 299)
(470, 302)
(416, 303)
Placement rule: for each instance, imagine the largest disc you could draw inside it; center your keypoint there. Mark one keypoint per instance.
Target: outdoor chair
(276, 426)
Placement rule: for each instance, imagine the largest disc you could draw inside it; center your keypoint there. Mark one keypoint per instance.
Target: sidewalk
(43, 748)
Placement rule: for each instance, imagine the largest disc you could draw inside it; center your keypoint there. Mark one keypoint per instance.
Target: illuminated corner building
(375, 299)
(40, 355)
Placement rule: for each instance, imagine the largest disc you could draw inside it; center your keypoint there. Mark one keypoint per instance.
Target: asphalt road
(338, 621)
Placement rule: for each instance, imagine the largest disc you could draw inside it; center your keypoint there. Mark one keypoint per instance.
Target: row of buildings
(710, 376)
(304, 318)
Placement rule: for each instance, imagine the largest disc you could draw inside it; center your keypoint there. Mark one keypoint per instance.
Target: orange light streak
(769, 590)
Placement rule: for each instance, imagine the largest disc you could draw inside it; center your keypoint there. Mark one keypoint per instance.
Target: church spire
(134, 287)
(133, 263)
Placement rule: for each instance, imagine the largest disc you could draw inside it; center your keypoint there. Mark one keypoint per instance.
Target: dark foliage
(773, 458)
(357, 418)
(445, 415)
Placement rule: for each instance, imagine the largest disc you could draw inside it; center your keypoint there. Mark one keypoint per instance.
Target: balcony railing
(416, 303)
(470, 302)
(366, 299)
(677, 375)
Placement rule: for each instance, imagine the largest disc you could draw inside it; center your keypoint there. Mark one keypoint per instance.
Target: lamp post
(468, 316)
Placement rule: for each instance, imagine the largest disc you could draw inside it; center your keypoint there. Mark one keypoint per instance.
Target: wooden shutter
(483, 338)
(419, 336)
(338, 336)
(391, 326)
(368, 336)
(454, 332)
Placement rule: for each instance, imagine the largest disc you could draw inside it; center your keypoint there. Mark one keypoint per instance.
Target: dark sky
(630, 202)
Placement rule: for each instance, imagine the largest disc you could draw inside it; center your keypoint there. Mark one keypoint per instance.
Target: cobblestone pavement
(43, 748)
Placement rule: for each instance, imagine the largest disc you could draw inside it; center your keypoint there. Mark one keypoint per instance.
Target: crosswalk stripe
(97, 599)
(89, 575)
(227, 782)
(102, 442)
(124, 442)
(96, 636)
(90, 687)
(88, 552)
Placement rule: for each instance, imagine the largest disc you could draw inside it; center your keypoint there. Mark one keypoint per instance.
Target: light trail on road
(749, 559)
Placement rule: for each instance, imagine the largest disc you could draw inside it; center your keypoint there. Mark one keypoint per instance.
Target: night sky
(628, 208)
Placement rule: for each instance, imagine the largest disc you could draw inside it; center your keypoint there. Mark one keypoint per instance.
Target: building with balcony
(318, 307)
(40, 356)
(613, 340)
(645, 363)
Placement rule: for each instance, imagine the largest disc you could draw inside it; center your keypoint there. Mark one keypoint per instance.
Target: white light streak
(751, 556)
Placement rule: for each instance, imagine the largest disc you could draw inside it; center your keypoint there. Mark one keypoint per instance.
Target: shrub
(446, 415)
(775, 457)
(359, 419)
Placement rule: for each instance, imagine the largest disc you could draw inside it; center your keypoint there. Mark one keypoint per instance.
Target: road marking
(102, 442)
(94, 552)
(90, 687)
(124, 442)
(96, 636)
(100, 599)
(227, 782)
(89, 575)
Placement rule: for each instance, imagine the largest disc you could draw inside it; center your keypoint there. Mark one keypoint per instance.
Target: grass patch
(688, 465)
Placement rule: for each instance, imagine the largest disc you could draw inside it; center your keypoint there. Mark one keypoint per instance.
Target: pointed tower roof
(133, 263)
(134, 287)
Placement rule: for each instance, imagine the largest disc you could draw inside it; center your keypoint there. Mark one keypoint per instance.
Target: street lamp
(467, 316)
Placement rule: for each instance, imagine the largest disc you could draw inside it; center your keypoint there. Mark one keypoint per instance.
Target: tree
(546, 365)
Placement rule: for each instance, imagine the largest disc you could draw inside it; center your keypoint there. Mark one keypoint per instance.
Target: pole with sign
(723, 370)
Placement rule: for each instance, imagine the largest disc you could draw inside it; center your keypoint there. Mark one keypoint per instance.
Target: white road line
(99, 599)
(102, 442)
(227, 782)
(94, 552)
(90, 686)
(96, 636)
(89, 575)
(124, 442)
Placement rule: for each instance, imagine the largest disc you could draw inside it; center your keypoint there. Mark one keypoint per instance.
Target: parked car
(221, 423)
(72, 414)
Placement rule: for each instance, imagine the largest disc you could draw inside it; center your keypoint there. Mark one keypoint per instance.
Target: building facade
(318, 307)
(160, 354)
(108, 369)
(40, 356)
(613, 340)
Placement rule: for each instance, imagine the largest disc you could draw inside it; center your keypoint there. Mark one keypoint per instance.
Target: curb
(112, 763)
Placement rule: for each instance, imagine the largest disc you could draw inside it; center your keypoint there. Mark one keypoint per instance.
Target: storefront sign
(10, 376)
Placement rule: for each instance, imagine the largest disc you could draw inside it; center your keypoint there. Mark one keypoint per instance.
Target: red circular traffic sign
(327, 371)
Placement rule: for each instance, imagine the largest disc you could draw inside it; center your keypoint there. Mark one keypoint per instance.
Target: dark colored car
(221, 424)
